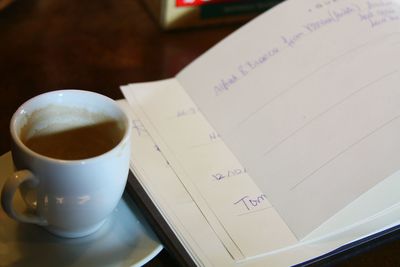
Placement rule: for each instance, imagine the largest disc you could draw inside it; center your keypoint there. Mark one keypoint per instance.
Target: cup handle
(17, 179)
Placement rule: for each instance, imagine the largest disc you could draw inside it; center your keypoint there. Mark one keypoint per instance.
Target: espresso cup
(71, 151)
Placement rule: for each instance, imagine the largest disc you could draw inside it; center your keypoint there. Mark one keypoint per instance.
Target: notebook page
(307, 98)
(172, 200)
(230, 201)
(178, 207)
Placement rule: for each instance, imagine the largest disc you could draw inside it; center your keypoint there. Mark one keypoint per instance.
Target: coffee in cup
(71, 150)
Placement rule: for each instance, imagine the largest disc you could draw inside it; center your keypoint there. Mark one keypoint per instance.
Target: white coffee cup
(69, 187)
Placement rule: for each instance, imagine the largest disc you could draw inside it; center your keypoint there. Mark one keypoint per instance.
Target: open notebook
(280, 144)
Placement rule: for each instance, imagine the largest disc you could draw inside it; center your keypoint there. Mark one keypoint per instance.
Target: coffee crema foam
(70, 133)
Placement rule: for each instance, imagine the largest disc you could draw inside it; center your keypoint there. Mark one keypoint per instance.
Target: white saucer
(124, 240)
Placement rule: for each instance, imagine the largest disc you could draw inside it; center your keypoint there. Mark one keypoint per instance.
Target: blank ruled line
(204, 144)
(341, 101)
(255, 211)
(305, 77)
(342, 152)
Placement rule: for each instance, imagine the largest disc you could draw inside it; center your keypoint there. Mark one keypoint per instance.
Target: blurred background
(101, 45)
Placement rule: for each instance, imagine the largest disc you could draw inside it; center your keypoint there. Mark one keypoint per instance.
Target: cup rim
(17, 140)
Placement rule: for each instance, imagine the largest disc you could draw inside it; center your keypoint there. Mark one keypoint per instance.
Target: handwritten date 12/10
(228, 173)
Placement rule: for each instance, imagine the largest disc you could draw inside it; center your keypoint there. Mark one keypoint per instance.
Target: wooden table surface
(99, 45)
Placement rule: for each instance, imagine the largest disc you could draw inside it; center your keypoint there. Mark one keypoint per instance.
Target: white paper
(377, 210)
(307, 98)
(233, 205)
(172, 200)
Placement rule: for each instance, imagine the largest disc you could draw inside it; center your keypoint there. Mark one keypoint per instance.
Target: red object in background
(200, 2)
